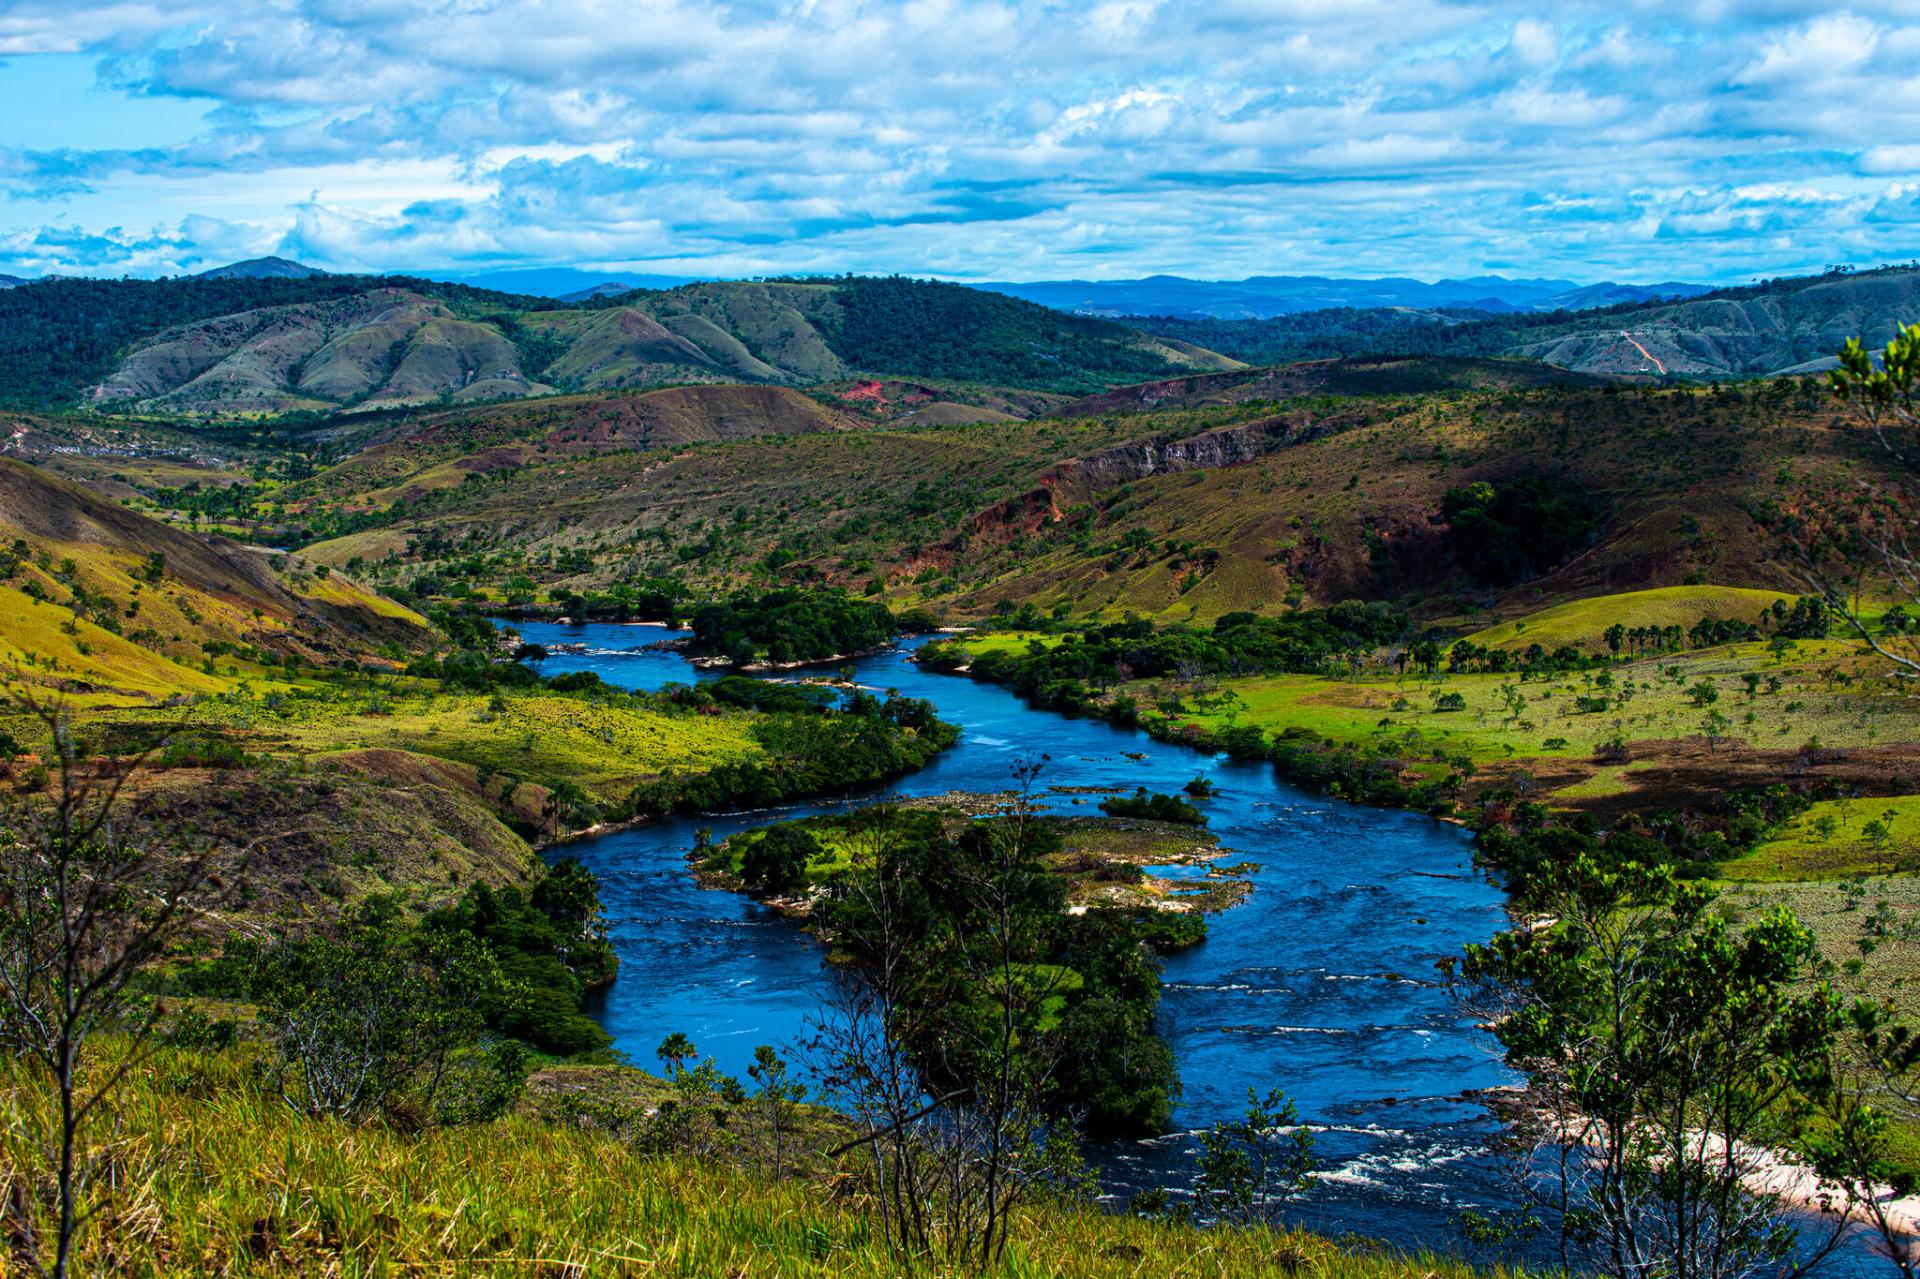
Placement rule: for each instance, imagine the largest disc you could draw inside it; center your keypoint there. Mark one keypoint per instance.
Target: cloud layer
(1631, 140)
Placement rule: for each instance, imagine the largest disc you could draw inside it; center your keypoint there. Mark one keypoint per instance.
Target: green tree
(88, 901)
(1252, 1166)
(777, 1099)
(370, 1019)
(1838, 543)
(1714, 726)
(676, 1050)
(777, 861)
(1665, 1049)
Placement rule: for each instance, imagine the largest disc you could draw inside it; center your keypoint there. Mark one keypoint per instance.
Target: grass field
(1732, 715)
(1583, 622)
(1833, 840)
(241, 1185)
(45, 644)
(531, 736)
(1506, 724)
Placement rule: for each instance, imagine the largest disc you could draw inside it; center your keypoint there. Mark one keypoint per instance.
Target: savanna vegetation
(286, 989)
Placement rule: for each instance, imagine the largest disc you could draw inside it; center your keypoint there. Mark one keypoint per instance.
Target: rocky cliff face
(1081, 478)
(1225, 446)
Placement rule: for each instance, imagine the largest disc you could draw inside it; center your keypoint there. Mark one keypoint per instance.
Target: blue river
(1322, 983)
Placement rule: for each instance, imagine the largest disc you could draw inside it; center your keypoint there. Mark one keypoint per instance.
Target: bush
(374, 1021)
(1154, 807)
(777, 861)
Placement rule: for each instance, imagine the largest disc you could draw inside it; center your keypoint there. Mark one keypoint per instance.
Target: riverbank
(1366, 900)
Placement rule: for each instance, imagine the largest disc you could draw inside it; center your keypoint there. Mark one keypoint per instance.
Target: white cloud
(1826, 46)
(985, 137)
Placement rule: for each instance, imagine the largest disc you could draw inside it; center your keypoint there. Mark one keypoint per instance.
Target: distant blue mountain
(1263, 296)
(566, 282)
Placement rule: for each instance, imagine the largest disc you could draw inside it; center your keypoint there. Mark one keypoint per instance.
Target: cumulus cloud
(978, 138)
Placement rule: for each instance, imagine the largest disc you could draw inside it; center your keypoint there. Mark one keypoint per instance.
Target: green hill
(270, 346)
(1205, 504)
(103, 601)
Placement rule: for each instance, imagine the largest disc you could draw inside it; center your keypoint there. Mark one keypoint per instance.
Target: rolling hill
(392, 344)
(436, 449)
(1776, 326)
(1198, 497)
(108, 603)
(1740, 333)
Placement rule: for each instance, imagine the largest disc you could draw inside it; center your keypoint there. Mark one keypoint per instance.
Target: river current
(1323, 982)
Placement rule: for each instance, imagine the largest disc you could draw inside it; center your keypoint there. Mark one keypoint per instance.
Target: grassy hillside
(107, 603)
(421, 452)
(391, 344)
(1629, 737)
(1179, 512)
(242, 1186)
(1583, 622)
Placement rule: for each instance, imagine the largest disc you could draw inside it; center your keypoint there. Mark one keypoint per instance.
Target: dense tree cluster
(1525, 841)
(789, 625)
(1064, 674)
(923, 896)
(521, 960)
(922, 328)
(811, 749)
(1519, 528)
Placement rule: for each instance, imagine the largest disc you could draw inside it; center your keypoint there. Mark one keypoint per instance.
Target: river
(1322, 983)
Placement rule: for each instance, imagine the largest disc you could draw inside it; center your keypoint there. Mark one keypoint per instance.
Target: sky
(1709, 141)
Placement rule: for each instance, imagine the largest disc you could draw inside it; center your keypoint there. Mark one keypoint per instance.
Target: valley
(425, 606)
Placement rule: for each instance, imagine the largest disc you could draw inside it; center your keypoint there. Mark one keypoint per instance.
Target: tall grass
(213, 1175)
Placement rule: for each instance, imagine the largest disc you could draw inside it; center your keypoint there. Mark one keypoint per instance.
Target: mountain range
(271, 336)
(394, 343)
(1262, 296)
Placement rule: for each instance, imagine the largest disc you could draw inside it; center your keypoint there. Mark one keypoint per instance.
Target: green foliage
(372, 1020)
(776, 862)
(1154, 807)
(809, 753)
(922, 328)
(1251, 1167)
(57, 336)
(789, 625)
(1638, 1012)
(550, 947)
(1086, 987)
(1883, 384)
(1520, 528)
(1314, 640)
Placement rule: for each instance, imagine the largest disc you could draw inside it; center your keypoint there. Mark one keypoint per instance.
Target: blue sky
(1712, 141)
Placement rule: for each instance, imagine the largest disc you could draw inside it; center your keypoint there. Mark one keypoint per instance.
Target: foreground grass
(221, 1178)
